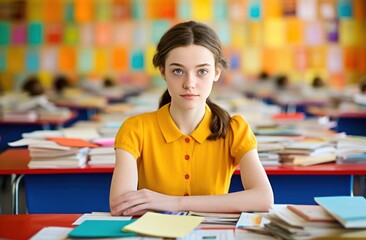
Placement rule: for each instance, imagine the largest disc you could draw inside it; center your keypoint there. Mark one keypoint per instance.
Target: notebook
(101, 229)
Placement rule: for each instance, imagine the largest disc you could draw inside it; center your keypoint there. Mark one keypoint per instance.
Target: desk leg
(352, 185)
(362, 183)
(46, 126)
(91, 113)
(291, 108)
(15, 193)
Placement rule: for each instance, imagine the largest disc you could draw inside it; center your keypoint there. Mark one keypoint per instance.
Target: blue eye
(202, 72)
(177, 71)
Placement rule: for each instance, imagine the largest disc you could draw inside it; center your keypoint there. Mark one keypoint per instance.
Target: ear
(162, 72)
(217, 74)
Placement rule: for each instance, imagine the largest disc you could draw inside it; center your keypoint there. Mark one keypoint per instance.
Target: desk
(12, 130)
(351, 122)
(69, 190)
(87, 189)
(24, 226)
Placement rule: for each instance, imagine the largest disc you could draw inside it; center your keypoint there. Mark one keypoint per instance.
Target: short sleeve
(129, 136)
(243, 138)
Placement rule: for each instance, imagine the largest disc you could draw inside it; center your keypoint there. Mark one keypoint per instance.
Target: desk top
(24, 226)
(14, 161)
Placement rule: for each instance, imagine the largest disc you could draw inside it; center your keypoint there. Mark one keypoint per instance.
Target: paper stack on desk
(285, 223)
(102, 155)
(50, 154)
(307, 153)
(217, 218)
(351, 149)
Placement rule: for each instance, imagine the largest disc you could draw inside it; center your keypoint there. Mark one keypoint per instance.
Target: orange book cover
(72, 142)
(289, 116)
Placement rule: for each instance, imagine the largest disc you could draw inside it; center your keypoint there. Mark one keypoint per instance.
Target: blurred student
(360, 96)
(33, 86)
(35, 96)
(317, 92)
(286, 94)
(182, 156)
(60, 84)
(263, 87)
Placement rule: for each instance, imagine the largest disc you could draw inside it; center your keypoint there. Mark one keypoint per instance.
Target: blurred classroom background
(302, 56)
(90, 40)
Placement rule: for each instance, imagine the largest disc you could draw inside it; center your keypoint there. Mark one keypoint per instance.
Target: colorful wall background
(116, 38)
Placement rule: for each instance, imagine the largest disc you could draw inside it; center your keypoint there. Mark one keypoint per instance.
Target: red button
(186, 176)
(186, 157)
(187, 140)
(186, 194)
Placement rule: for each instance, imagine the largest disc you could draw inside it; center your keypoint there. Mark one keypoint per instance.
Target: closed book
(349, 211)
(310, 160)
(314, 213)
(101, 229)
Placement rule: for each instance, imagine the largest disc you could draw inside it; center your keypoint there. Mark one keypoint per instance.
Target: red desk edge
(24, 226)
(14, 161)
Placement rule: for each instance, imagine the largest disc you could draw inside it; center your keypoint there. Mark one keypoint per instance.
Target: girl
(182, 156)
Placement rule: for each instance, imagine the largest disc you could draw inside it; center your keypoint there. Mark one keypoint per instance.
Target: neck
(187, 120)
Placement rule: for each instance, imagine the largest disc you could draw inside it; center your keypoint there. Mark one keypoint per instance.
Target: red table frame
(14, 162)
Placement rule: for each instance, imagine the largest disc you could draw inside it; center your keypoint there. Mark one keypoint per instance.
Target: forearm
(249, 200)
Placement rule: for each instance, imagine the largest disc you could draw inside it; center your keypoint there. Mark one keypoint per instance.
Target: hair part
(194, 33)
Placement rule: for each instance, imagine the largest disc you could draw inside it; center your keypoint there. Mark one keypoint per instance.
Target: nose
(190, 81)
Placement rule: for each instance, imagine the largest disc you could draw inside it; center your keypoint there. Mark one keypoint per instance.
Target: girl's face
(190, 72)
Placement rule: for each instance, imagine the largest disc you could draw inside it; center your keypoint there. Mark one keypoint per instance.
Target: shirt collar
(171, 132)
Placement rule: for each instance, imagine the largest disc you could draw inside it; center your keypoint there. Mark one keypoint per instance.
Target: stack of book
(52, 155)
(351, 149)
(335, 216)
(102, 155)
(307, 153)
(269, 148)
(55, 151)
(301, 222)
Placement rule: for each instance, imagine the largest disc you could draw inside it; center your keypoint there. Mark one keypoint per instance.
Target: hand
(140, 201)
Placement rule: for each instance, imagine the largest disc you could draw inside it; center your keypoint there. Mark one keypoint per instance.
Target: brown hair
(185, 34)
(362, 85)
(33, 86)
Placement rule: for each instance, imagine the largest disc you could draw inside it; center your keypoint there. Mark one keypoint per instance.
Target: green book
(101, 229)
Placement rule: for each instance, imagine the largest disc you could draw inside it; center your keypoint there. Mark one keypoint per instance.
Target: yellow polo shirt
(172, 163)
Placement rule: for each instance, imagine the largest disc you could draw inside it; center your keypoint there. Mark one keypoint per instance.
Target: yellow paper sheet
(163, 225)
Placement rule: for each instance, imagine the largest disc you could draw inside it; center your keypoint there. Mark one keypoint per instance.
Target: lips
(189, 95)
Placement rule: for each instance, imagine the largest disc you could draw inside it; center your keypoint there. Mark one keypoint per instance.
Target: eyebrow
(199, 65)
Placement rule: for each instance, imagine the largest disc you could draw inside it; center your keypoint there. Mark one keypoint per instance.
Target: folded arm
(125, 199)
